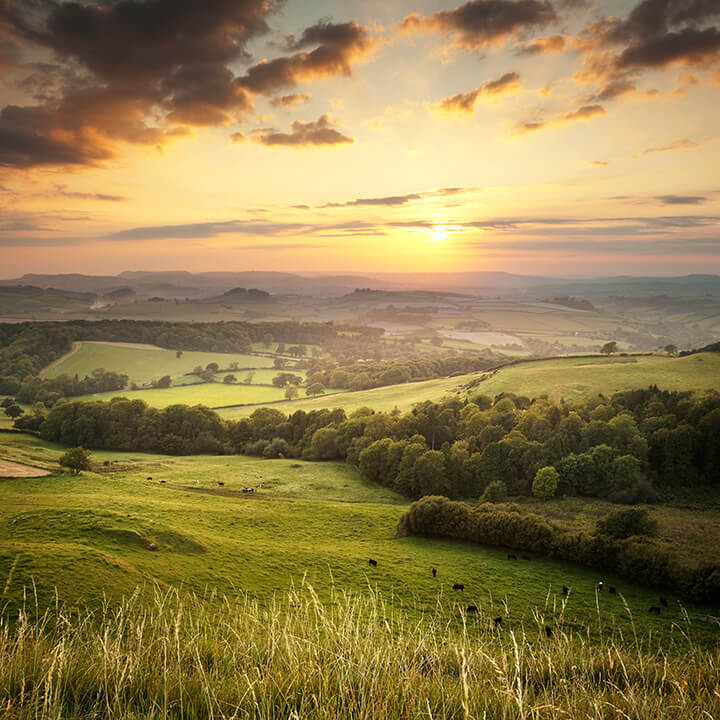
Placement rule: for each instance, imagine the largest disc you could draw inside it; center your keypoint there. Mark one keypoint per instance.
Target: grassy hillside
(88, 536)
(570, 377)
(144, 363)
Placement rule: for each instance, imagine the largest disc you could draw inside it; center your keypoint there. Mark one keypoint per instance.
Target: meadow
(569, 377)
(88, 538)
(143, 363)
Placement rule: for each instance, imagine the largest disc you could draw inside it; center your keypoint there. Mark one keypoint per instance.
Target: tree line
(625, 448)
(632, 557)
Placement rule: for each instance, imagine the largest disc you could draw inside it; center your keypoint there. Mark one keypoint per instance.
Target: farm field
(88, 537)
(215, 394)
(144, 363)
(569, 377)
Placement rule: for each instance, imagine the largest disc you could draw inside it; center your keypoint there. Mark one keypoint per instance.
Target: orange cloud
(586, 112)
(465, 102)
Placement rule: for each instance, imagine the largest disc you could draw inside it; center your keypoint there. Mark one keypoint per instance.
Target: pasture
(143, 363)
(89, 537)
(569, 377)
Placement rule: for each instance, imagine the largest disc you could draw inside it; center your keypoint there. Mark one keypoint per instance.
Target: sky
(573, 137)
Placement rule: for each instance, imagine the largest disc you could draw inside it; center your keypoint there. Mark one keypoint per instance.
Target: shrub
(625, 523)
(495, 492)
(546, 482)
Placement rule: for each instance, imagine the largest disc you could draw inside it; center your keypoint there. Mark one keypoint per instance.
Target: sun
(438, 234)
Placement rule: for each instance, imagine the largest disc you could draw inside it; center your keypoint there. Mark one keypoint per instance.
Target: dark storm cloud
(320, 132)
(339, 46)
(484, 22)
(465, 102)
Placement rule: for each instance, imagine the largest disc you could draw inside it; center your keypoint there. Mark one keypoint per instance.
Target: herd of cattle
(219, 482)
(471, 609)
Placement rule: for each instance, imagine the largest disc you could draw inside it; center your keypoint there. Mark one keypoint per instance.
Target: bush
(546, 482)
(75, 460)
(622, 524)
(495, 492)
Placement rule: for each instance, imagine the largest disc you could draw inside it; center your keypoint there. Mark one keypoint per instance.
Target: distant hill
(27, 299)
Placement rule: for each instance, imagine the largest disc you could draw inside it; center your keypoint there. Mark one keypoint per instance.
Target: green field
(570, 377)
(87, 536)
(214, 394)
(144, 363)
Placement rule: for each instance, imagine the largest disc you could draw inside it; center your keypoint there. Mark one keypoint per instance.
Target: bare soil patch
(15, 470)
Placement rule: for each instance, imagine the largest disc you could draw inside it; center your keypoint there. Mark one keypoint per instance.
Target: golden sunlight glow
(438, 234)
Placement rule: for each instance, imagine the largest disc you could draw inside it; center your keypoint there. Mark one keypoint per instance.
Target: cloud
(320, 132)
(598, 163)
(291, 100)
(586, 112)
(662, 199)
(339, 47)
(544, 45)
(687, 47)
(465, 102)
(480, 23)
(397, 200)
(135, 71)
(683, 144)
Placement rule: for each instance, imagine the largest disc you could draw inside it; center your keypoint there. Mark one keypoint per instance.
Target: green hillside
(88, 537)
(569, 377)
(144, 363)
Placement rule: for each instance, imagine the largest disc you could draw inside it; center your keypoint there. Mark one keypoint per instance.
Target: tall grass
(183, 656)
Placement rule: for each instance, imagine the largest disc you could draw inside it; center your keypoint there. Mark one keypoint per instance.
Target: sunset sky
(563, 138)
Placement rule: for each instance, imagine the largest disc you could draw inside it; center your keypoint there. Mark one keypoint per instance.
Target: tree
(164, 382)
(671, 349)
(249, 378)
(546, 482)
(212, 367)
(75, 460)
(14, 411)
(229, 379)
(495, 492)
(609, 348)
(178, 354)
(291, 392)
(315, 389)
(267, 339)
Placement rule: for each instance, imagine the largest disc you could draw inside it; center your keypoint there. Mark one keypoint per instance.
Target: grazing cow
(220, 482)
(497, 621)
(599, 586)
(372, 562)
(612, 590)
(434, 572)
(472, 609)
(149, 479)
(458, 586)
(548, 631)
(663, 601)
(511, 556)
(566, 590)
(655, 610)
(162, 482)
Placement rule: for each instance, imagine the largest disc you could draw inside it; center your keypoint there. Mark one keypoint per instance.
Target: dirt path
(16, 470)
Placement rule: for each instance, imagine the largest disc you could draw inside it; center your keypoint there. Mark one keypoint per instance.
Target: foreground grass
(182, 656)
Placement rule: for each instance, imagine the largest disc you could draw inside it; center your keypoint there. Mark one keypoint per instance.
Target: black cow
(655, 610)
(220, 482)
(434, 572)
(497, 621)
(612, 590)
(162, 482)
(511, 556)
(566, 590)
(548, 631)
(472, 609)
(372, 562)
(458, 586)
(149, 479)
(663, 601)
